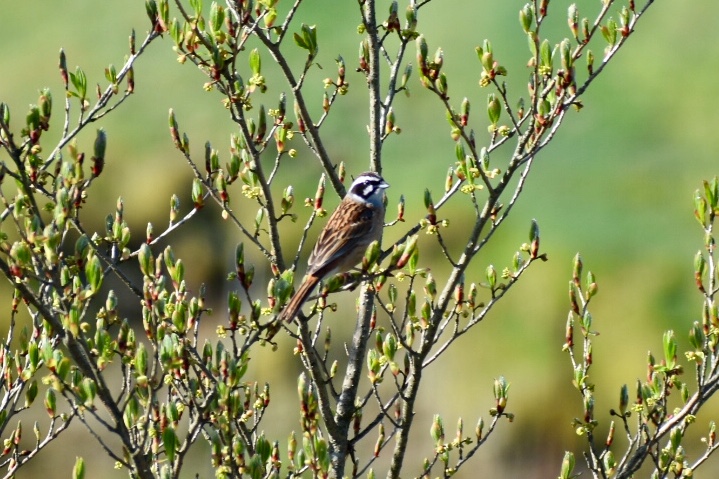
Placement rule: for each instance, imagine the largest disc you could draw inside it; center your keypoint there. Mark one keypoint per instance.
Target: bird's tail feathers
(299, 298)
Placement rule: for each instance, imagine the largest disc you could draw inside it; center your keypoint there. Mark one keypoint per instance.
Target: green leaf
(169, 440)
(217, 17)
(93, 272)
(545, 54)
(78, 471)
(147, 261)
(196, 6)
(79, 81)
(31, 393)
(50, 402)
(89, 388)
(309, 34)
(256, 62)
(300, 41)
(263, 448)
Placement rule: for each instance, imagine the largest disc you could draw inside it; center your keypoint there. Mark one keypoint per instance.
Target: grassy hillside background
(616, 185)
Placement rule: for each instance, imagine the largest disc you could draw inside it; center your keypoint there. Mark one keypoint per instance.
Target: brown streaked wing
(349, 221)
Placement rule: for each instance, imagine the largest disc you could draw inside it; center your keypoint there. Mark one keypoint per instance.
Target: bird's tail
(299, 298)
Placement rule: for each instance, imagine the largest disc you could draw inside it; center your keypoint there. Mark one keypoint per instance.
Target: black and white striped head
(368, 187)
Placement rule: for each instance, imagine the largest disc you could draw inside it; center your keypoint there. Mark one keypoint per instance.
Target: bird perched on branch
(357, 222)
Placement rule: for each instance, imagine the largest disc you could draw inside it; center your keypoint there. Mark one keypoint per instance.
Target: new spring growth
(517, 262)
(298, 116)
(175, 132)
(62, 65)
(319, 196)
(340, 84)
(395, 256)
(411, 17)
(670, 349)
(569, 333)
(573, 21)
(79, 81)
(586, 323)
(696, 339)
(392, 22)
(711, 438)
(371, 255)
(78, 470)
(50, 402)
(610, 462)
(45, 108)
(436, 65)
(373, 366)
(625, 18)
(405, 78)
(146, 260)
(364, 56)
(429, 204)
(491, 274)
(341, 172)
(389, 125)
(567, 469)
(257, 81)
(609, 32)
(116, 227)
(400, 208)
(261, 125)
(472, 299)
(389, 346)
(501, 389)
(711, 192)
(461, 170)
(464, 112)
(592, 287)
(449, 180)
(460, 430)
(565, 49)
(534, 239)
(546, 58)
(288, 200)
(240, 262)
(198, 198)
(259, 218)
(610, 435)
(490, 68)
(425, 313)
(436, 430)
(526, 17)
(98, 158)
(479, 429)
(380, 440)
(494, 110)
(577, 270)
(174, 208)
(430, 288)
(308, 40)
(623, 400)
(459, 295)
(421, 44)
(409, 250)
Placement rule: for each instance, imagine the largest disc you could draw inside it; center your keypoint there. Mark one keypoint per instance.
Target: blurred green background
(615, 185)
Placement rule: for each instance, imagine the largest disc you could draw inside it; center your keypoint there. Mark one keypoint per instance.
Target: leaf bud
(526, 17)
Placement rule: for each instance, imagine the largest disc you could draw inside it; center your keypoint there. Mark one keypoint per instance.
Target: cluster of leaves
(658, 426)
(178, 387)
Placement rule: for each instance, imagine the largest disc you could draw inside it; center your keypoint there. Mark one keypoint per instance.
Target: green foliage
(180, 385)
(654, 424)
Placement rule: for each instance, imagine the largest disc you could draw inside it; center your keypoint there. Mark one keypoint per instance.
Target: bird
(355, 223)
